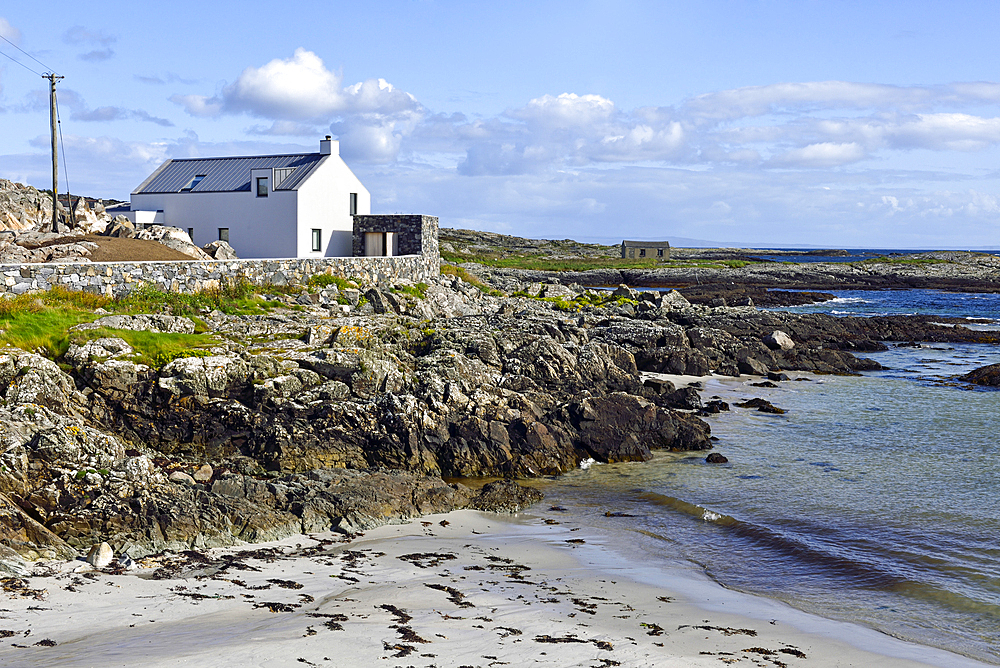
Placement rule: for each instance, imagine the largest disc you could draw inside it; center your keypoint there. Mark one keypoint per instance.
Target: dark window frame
(263, 180)
(354, 204)
(224, 234)
(317, 240)
(193, 183)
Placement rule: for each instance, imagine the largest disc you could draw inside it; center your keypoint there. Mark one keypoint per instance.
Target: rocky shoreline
(347, 409)
(939, 270)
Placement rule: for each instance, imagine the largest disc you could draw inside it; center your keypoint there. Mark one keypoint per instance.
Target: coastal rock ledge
(348, 407)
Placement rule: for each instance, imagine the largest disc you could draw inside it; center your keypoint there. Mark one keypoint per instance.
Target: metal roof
(226, 174)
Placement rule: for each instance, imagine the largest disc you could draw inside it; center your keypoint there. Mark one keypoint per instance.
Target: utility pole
(53, 77)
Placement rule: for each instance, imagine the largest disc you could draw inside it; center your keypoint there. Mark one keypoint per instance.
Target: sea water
(874, 499)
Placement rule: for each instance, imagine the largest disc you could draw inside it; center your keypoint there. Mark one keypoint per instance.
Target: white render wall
(259, 227)
(325, 203)
(277, 226)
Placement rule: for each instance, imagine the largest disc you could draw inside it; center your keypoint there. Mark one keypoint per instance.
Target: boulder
(988, 376)
(100, 555)
(120, 226)
(778, 340)
(716, 458)
(220, 250)
(214, 377)
(181, 478)
(622, 427)
(96, 349)
(175, 238)
(142, 323)
(505, 496)
(762, 405)
(558, 290)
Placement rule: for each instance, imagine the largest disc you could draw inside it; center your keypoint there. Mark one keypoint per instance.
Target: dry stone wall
(119, 278)
(418, 235)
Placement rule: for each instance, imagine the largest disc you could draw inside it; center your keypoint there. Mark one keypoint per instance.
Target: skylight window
(193, 182)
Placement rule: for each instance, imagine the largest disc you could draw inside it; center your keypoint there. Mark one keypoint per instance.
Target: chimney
(329, 146)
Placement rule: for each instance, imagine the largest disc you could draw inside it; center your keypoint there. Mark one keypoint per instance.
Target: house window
(191, 234)
(262, 186)
(224, 234)
(317, 240)
(642, 252)
(193, 183)
(659, 252)
(281, 174)
(354, 204)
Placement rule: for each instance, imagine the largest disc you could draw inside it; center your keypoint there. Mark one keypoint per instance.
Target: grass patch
(40, 322)
(419, 290)
(458, 272)
(154, 349)
(595, 299)
(42, 331)
(536, 263)
(549, 264)
(233, 296)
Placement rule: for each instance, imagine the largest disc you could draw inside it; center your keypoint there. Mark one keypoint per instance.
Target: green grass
(154, 349)
(419, 290)
(549, 264)
(40, 322)
(535, 263)
(458, 272)
(596, 299)
(235, 296)
(43, 331)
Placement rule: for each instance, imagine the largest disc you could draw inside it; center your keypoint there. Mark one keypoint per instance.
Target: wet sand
(461, 589)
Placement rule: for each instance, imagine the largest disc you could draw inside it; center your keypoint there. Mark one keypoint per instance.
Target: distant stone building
(635, 250)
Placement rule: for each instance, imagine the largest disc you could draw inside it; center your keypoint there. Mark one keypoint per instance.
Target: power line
(72, 211)
(27, 54)
(20, 63)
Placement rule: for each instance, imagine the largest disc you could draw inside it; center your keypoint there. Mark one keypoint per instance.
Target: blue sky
(845, 124)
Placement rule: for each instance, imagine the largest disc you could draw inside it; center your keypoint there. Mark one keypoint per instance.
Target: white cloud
(9, 31)
(825, 154)
(298, 88)
(199, 105)
(565, 111)
(370, 117)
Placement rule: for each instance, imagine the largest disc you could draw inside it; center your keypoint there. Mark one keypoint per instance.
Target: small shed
(635, 250)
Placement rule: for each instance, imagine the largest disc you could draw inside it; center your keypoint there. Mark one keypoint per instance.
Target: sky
(762, 122)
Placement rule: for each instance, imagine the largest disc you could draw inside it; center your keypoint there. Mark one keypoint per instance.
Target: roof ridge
(247, 157)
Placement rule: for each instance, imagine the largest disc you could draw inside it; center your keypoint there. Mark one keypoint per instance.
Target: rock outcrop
(345, 409)
(175, 238)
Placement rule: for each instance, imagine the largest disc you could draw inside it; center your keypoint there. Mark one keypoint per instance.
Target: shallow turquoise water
(874, 499)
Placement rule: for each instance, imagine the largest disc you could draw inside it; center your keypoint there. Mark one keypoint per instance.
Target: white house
(272, 206)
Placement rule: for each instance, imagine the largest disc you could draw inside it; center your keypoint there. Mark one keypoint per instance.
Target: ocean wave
(587, 463)
(802, 547)
(848, 300)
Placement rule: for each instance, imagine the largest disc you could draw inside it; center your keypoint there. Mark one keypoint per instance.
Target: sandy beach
(460, 589)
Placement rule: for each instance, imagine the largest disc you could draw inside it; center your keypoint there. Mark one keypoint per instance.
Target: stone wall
(119, 278)
(418, 235)
(418, 260)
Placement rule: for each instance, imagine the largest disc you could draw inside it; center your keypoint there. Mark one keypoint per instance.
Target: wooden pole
(52, 77)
